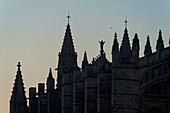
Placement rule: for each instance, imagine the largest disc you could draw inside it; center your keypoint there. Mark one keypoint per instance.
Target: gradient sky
(32, 31)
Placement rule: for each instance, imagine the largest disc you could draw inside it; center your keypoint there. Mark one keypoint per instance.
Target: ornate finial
(68, 17)
(19, 65)
(115, 35)
(101, 46)
(126, 21)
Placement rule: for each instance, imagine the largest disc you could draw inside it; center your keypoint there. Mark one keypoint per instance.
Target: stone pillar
(67, 93)
(33, 101)
(90, 91)
(78, 93)
(41, 88)
(42, 99)
(104, 92)
(53, 103)
(168, 93)
(124, 90)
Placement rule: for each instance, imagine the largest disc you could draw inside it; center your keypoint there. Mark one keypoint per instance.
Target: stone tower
(18, 102)
(66, 66)
(67, 56)
(124, 80)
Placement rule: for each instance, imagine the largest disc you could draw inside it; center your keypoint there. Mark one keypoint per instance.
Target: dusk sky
(32, 32)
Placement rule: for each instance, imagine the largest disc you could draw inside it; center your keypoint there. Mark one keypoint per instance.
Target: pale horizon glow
(32, 32)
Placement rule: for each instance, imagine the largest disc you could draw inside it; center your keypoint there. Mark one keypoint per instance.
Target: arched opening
(154, 90)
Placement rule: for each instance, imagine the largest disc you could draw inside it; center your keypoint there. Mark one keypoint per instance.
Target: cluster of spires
(159, 45)
(126, 52)
(18, 102)
(68, 61)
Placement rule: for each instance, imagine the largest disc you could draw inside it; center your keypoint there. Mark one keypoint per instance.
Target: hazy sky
(32, 31)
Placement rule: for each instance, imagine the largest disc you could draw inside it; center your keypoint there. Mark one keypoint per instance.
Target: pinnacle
(136, 36)
(115, 43)
(135, 40)
(148, 41)
(148, 49)
(50, 73)
(125, 46)
(85, 61)
(18, 88)
(85, 56)
(160, 43)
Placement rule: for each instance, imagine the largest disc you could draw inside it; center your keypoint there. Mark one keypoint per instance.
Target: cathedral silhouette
(127, 84)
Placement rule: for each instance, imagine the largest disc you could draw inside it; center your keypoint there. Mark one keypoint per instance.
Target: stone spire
(50, 81)
(125, 49)
(67, 56)
(115, 50)
(160, 43)
(148, 49)
(135, 48)
(85, 61)
(18, 102)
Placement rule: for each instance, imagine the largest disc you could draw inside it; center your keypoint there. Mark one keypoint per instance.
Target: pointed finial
(85, 53)
(85, 57)
(136, 36)
(85, 61)
(50, 73)
(148, 37)
(68, 17)
(126, 21)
